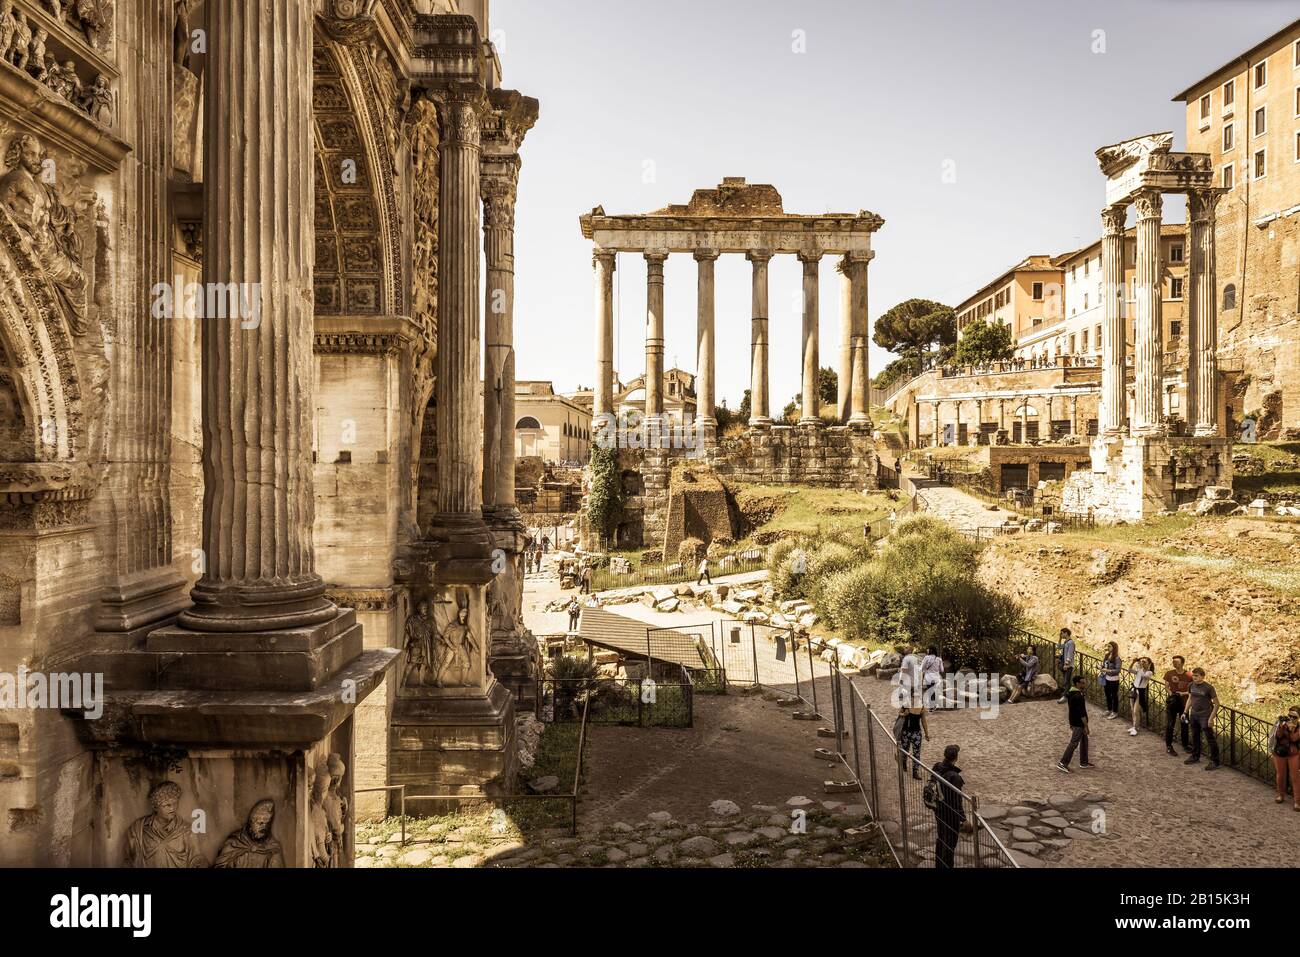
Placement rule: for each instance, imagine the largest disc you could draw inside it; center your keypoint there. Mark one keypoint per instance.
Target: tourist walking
(1177, 680)
(546, 543)
(932, 679)
(1028, 672)
(913, 728)
(537, 558)
(702, 573)
(1284, 744)
(1077, 712)
(574, 609)
(1141, 670)
(585, 578)
(949, 815)
(1202, 705)
(1066, 657)
(1111, 666)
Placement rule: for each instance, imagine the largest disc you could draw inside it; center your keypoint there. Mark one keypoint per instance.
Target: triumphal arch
(246, 487)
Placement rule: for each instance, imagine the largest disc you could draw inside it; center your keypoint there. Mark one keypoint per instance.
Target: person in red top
(1286, 754)
(1177, 680)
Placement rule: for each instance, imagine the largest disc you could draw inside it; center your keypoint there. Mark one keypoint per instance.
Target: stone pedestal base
(452, 741)
(1135, 477)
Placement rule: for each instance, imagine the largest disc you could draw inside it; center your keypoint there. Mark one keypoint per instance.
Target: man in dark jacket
(949, 815)
(1078, 712)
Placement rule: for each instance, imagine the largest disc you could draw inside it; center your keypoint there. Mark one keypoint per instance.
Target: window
(1038, 322)
(1297, 146)
(1261, 121)
(1071, 345)
(1085, 267)
(1261, 164)
(528, 422)
(1083, 336)
(1297, 101)
(1297, 53)
(1175, 328)
(1175, 288)
(1229, 96)
(1038, 292)
(1176, 253)
(1229, 297)
(1085, 302)
(1227, 137)
(1261, 73)
(1205, 108)
(1227, 177)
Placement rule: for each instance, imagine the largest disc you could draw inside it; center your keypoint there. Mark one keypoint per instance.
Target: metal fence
(893, 782)
(1242, 738)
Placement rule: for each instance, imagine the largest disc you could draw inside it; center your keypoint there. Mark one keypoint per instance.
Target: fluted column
(602, 400)
(759, 411)
(499, 194)
(459, 410)
(1202, 329)
(654, 334)
(844, 365)
(257, 355)
(1148, 332)
(810, 398)
(705, 259)
(1114, 340)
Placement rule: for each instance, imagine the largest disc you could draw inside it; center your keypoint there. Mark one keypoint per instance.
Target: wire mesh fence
(643, 702)
(926, 820)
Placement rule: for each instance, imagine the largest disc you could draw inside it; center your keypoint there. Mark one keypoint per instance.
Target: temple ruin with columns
(748, 219)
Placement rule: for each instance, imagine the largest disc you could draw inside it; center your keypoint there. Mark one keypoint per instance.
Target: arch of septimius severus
(247, 471)
(746, 219)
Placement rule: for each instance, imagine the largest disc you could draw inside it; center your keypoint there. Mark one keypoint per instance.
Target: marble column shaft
(856, 266)
(459, 409)
(1202, 330)
(654, 334)
(811, 399)
(759, 409)
(844, 366)
(1148, 405)
(1114, 340)
(603, 263)
(704, 357)
(499, 194)
(257, 369)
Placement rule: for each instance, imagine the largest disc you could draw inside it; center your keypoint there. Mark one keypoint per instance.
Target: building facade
(1246, 116)
(548, 426)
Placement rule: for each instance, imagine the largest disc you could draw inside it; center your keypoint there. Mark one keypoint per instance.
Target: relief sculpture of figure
(19, 47)
(162, 838)
(419, 647)
(91, 15)
(7, 27)
(457, 648)
(50, 226)
(181, 34)
(336, 809)
(321, 840)
(253, 845)
(98, 100)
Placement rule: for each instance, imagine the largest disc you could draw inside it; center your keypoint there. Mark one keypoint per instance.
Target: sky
(969, 125)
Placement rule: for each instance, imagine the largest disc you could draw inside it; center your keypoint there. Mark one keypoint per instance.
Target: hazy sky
(866, 117)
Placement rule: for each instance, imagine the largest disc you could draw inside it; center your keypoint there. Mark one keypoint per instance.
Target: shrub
(689, 552)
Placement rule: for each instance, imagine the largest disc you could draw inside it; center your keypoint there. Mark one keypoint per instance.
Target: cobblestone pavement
(959, 508)
(1157, 811)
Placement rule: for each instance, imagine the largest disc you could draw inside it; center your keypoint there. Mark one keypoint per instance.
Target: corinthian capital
(1113, 218)
(461, 113)
(1148, 203)
(1201, 204)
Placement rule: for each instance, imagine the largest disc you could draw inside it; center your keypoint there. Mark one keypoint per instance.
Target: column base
(452, 741)
(862, 422)
(761, 422)
(142, 603)
(811, 421)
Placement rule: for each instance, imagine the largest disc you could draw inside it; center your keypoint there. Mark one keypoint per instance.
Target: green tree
(828, 385)
(745, 410)
(916, 327)
(898, 369)
(983, 342)
(605, 500)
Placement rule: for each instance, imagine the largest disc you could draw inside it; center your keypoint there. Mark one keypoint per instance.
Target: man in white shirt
(932, 675)
(703, 573)
(909, 673)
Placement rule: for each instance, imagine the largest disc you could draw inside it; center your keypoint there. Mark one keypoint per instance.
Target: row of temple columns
(1148, 327)
(1019, 407)
(853, 394)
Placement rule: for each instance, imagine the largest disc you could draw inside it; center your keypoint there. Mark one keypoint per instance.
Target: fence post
(902, 803)
(812, 675)
(975, 829)
(853, 723)
(871, 763)
(1232, 738)
(753, 647)
(794, 659)
(640, 705)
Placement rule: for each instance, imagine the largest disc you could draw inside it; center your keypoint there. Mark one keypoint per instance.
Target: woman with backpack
(912, 725)
(1284, 743)
(1110, 669)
